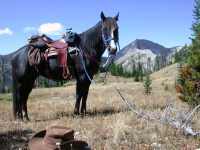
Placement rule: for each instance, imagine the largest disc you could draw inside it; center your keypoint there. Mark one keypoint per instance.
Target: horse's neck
(91, 41)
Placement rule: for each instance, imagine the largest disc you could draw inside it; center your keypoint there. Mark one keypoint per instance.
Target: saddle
(44, 41)
(40, 41)
(43, 47)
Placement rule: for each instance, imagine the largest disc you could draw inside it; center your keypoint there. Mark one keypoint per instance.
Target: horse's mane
(91, 37)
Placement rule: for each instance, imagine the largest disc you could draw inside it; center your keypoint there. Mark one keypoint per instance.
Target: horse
(93, 43)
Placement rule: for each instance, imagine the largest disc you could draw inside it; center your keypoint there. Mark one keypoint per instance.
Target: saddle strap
(62, 58)
(66, 74)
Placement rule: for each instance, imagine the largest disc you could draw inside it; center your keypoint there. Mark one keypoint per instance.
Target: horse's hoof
(19, 119)
(27, 119)
(83, 113)
(76, 113)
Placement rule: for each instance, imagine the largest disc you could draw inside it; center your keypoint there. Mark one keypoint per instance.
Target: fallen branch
(140, 114)
(189, 116)
(165, 117)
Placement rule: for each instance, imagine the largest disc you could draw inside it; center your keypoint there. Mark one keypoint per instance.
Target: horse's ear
(117, 17)
(103, 17)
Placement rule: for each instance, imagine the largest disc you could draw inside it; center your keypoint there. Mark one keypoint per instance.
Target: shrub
(188, 85)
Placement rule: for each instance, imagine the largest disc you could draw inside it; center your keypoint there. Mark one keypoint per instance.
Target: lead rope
(83, 63)
(118, 47)
(85, 70)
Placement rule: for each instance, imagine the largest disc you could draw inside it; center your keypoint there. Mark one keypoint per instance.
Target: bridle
(108, 40)
(111, 54)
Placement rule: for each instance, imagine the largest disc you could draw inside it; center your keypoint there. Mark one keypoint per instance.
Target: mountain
(145, 52)
(143, 44)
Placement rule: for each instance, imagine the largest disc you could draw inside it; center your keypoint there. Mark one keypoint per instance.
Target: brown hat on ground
(56, 138)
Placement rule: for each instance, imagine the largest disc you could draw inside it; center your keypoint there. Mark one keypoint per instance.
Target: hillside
(109, 124)
(167, 74)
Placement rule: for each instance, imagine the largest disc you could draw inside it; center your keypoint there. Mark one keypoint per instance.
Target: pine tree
(137, 76)
(189, 74)
(181, 55)
(113, 69)
(2, 77)
(140, 71)
(194, 53)
(157, 64)
(147, 85)
(148, 64)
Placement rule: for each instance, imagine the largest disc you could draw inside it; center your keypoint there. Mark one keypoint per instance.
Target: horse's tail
(15, 93)
(14, 105)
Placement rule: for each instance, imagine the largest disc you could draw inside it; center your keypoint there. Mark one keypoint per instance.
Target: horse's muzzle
(112, 50)
(111, 57)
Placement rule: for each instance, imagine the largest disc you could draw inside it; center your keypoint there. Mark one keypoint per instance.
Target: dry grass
(109, 124)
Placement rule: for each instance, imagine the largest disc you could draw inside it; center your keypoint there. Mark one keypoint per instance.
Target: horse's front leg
(78, 98)
(84, 98)
(25, 112)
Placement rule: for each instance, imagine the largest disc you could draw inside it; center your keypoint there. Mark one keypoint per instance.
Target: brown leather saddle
(48, 48)
(40, 41)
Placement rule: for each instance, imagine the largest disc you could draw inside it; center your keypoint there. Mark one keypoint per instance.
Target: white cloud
(6, 31)
(29, 29)
(51, 28)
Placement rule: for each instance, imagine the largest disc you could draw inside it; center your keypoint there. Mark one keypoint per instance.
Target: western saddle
(44, 47)
(44, 41)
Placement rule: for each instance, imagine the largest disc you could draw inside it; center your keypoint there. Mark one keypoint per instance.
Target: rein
(84, 67)
(85, 70)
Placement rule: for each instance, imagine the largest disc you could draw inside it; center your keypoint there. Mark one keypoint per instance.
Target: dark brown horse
(93, 43)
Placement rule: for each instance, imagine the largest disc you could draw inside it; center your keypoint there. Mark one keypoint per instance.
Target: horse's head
(110, 37)
(110, 32)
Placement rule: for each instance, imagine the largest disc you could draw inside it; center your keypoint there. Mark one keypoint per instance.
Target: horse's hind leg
(21, 91)
(17, 104)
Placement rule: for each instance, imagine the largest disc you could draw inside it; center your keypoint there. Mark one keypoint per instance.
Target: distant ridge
(144, 44)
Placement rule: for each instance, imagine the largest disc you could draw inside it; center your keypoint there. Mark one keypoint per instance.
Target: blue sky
(167, 22)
